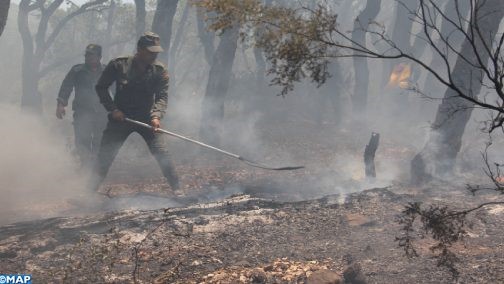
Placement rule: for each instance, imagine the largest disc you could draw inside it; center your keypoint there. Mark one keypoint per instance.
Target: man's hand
(117, 115)
(60, 111)
(155, 123)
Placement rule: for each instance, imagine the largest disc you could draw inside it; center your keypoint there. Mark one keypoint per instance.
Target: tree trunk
(259, 59)
(361, 24)
(330, 94)
(206, 37)
(260, 68)
(437, 159)
(447, 30)
(35, 47)
(174, 49)
(4, 12)
(108, 34)
(401, 33)
(139, 17)
(346, 18)
(162, 25)
(401, 36)
(450, 11)
(30, 98)
(177, 40)
(212, 113)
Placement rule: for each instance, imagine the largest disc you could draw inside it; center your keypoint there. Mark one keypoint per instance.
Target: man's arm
(161, 97)
(65, 91)
(102, 87)
(66, 88)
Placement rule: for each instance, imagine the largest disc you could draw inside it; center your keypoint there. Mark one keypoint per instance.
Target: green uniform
(140, 97)
(89, 118)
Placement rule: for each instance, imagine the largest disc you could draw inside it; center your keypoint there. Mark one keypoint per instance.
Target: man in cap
(89, 118)
(141, 94)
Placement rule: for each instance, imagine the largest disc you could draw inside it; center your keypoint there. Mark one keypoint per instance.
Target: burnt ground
(243, 239)
(233, 224)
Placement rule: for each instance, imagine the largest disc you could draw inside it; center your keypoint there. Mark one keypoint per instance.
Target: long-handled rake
(246, 161)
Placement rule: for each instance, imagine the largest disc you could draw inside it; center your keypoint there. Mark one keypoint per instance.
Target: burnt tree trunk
(212, 113)
(162, 25)
(437, 158)
(369, 155)
(361, 24)
(139, 17)
(4, 13)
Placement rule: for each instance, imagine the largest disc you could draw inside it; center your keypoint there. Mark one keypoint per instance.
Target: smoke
(41, 178)
(37, 171)
(310, 126)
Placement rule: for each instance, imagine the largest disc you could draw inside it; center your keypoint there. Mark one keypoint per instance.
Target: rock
(242, 263)
(324, 276)
(258, 277)
(356, 219)
(353, 274)
(196, 263)
(268, 268)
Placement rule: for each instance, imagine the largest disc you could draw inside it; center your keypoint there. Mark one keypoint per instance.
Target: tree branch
(84, 8)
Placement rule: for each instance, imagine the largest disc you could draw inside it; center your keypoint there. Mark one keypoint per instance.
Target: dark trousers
(88, 129)
(113, 138)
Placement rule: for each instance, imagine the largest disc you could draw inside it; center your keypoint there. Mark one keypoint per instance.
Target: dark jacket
(81, 79)
(138, 96)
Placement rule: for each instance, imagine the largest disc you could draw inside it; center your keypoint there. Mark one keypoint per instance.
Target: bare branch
(84, 8)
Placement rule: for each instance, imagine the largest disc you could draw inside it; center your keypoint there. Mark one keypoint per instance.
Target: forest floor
(233, 224)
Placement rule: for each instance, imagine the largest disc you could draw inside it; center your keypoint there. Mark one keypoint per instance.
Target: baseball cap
(94, 49)
(150, 41)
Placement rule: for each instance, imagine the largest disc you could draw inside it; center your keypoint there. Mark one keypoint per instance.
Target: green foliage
(296, 41)
(444, 225)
